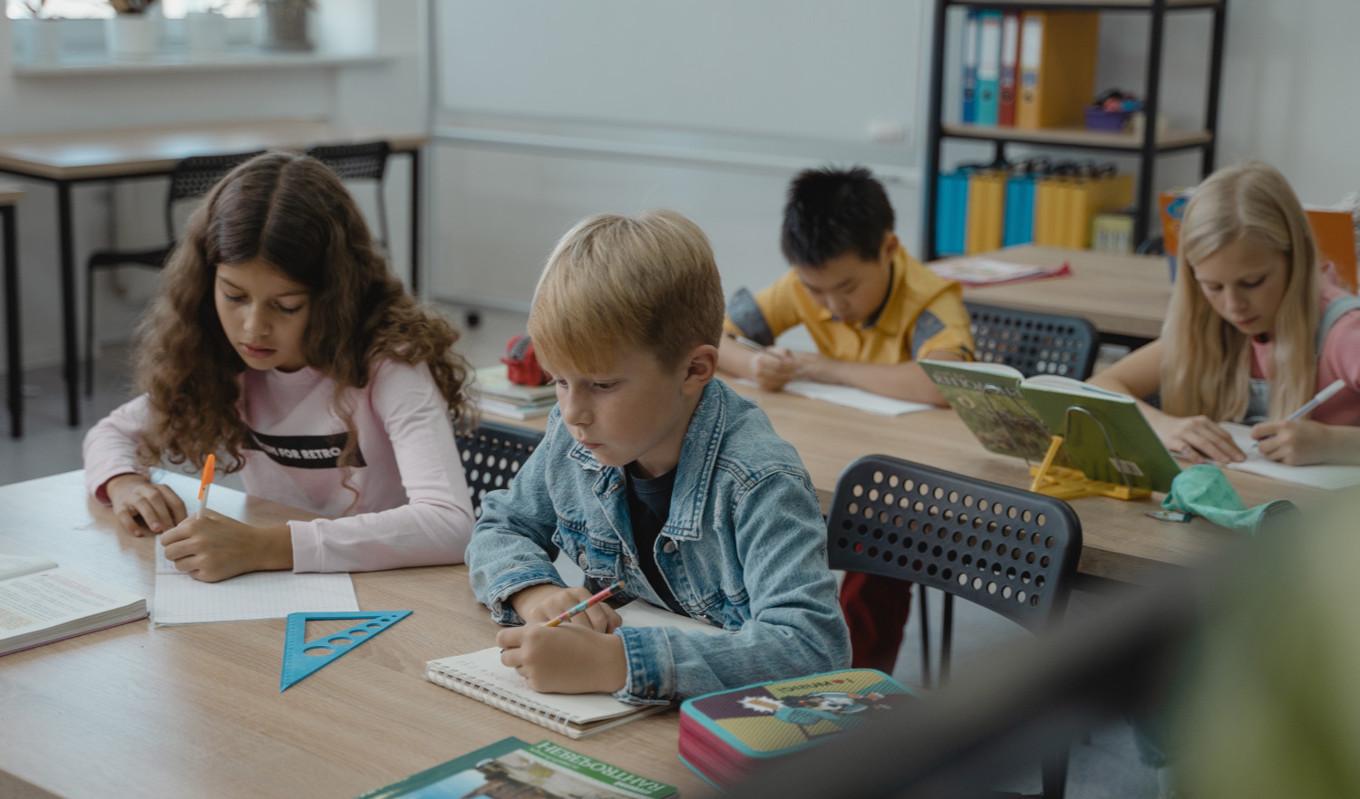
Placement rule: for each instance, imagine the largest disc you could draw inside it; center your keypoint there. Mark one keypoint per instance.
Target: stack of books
(497, 395)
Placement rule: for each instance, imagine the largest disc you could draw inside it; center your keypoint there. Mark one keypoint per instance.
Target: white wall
(391, 95)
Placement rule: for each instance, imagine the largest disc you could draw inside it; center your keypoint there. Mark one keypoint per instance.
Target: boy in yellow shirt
(873, 312)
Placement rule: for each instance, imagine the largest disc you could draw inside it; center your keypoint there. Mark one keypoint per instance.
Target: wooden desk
(68, 159)
(1124, 296)
(196, 710)
(14, 356)
(1120, 543)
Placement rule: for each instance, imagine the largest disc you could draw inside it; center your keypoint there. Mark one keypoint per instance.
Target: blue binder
(951, 212)
(1018, 227)
(970, 64)
(988, 68)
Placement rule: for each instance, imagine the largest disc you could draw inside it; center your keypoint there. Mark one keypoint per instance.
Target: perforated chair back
(1034, 343)
(1009, 550)
(492, 455)
(363, 161)
(194, 176)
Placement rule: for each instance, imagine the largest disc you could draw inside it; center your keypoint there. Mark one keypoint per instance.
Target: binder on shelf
(951, 215)
(1018, 227)
(988, 67)
(970, 64)
(1057, 68)
(1010, 69)
(986, 207)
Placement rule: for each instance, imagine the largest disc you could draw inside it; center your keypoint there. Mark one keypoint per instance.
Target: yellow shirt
(916, 296)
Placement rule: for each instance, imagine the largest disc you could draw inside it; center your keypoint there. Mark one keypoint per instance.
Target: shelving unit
(1147, 146)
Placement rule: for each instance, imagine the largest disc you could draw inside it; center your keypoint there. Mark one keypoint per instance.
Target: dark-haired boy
(873, 312)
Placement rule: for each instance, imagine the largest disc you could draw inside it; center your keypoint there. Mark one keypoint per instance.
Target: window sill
(94, 64)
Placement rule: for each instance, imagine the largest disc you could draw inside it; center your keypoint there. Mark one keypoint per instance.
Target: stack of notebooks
(726, 734)
(496, 394)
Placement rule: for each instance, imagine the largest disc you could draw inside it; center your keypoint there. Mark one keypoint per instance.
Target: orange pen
(204, 484)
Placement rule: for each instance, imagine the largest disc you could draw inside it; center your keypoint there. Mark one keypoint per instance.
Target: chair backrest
(492, 455)
(1034, 343)
(194, 176)
(367, 160)
(1009, 550)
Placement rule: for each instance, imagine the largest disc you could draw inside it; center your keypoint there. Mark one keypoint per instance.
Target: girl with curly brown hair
(281, 342)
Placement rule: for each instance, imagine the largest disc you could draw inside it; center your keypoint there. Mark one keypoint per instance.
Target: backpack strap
(1332, 314)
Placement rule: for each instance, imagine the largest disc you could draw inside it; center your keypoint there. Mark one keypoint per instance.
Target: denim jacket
(744, 548)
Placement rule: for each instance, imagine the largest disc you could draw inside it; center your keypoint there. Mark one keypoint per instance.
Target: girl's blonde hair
(1206, 364)
(649, 282)
(294, 213)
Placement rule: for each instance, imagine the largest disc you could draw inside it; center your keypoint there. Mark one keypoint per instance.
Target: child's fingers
(177, 533)
(596, 618)
(613, 617)
(129, 523)
(153, 513)
(177, 549)
(1265, 430)
(189, 563)
(178, 512)
(510, 638)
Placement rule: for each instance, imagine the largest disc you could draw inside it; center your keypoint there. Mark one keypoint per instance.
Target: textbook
(496, 394)
(41, 602)
(726, 734)
(511, 767)
(1017, 416)
(482, 676)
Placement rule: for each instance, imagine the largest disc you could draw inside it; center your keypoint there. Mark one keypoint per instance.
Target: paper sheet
(180, 599)
(850, 397)
(1320, 476)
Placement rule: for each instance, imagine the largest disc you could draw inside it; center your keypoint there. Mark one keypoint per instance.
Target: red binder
(1010, 68)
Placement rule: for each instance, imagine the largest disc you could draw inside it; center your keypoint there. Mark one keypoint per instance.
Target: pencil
(205, 483)
(585, 604)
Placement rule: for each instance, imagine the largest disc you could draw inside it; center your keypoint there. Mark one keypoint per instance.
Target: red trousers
(876, 609)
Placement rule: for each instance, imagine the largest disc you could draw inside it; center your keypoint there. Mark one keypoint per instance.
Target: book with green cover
(511, 767)
(1014, 415)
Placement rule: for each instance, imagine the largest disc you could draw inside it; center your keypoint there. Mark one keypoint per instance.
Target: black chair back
(1034, 343)
(194, 176)
(492, 455)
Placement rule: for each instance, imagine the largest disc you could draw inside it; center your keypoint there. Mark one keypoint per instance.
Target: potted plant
(284, 24)
(205, 28)
(132, 29)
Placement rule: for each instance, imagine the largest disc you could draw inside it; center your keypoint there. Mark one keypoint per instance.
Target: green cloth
(1204, 490)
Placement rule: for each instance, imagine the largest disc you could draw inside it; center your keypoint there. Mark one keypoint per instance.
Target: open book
(481, 676)
(1104, 434)
(41, 603)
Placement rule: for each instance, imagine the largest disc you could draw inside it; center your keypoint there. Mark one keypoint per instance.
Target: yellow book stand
(1064, 483)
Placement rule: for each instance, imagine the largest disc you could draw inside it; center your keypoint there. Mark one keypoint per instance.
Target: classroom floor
(1106, 766)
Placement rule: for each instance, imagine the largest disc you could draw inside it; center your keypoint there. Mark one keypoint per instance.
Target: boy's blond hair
(613, 280)
(1207, 361)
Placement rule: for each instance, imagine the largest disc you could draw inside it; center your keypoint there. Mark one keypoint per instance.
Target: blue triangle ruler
(302, 658)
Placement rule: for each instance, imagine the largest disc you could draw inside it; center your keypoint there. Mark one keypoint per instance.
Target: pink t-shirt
(413, 507)
(1339, 360)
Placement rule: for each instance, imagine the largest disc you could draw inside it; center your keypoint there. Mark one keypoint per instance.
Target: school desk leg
(68, 302)
(14, 353)
(415, 222)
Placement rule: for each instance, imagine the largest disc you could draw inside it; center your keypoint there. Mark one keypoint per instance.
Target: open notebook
(1319, 476)
(481, 676)
(41, 603)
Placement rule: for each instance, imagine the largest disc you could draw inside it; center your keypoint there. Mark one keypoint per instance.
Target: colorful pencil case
(726, 734)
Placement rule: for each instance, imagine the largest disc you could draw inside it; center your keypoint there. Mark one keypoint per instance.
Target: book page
(52, 598)
(1327, 476)
(180, 599)
(19, 565)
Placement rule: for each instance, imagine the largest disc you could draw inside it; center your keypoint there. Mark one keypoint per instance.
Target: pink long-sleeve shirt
(413, 507)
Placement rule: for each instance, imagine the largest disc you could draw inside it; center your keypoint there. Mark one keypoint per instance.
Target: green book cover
(1099, 419)
(511, 767)
(987, 397)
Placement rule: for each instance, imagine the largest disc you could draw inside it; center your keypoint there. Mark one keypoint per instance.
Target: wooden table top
(196, 710)
(128, 152)
(1124, 295)
(1120, 542)
(9, 194)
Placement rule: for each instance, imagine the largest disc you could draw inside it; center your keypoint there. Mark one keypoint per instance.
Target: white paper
(53, 598)
(855, 398)
(986, 270)
(19, 565)
(1319, 476)
(180, 599)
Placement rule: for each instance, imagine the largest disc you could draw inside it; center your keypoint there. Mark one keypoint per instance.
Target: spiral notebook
(481, 676)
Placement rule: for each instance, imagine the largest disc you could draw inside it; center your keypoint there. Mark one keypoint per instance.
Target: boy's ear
(890, 246)
(701, 366)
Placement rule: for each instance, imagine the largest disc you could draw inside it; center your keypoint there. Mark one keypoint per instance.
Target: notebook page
(55, 597)
(850, 397)
(1319, 476)
(180, 599)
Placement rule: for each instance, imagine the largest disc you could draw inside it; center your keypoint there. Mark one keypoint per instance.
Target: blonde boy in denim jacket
(654, 472)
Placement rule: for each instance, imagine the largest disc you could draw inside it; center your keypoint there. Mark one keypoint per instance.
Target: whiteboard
(808, 69)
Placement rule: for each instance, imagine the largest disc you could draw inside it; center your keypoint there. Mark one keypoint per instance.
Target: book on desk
(41, 602)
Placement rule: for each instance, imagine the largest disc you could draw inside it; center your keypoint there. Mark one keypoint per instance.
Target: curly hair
(292, 212)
